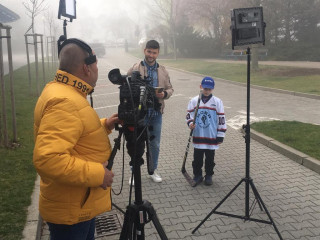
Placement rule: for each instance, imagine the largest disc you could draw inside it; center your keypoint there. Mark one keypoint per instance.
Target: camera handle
(116, 147)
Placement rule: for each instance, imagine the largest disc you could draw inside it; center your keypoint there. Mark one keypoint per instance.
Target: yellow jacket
(71, 143)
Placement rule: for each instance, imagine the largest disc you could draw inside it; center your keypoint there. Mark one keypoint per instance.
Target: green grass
(304, 137)
(287, 78)
(17, 174)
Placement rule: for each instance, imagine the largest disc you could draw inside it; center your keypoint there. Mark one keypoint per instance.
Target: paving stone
(290, 191)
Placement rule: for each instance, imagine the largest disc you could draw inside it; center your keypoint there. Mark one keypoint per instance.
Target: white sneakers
(156, 177)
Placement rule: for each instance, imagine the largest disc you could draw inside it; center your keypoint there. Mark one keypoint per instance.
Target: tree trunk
(165, 47)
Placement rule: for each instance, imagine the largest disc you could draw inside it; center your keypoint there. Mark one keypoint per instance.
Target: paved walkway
(290, 191)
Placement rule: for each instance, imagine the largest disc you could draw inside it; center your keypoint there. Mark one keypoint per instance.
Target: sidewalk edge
(298, 94)
(295, 155)
(31, 228)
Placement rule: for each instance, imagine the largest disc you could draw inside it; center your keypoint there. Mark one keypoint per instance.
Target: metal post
(3, 96)
(55, 52)
(36, 63)
(13, 107)
(28, 60)
(1, 71)
(43, 71)
(52, 53)
(247, 138)
(47, 48)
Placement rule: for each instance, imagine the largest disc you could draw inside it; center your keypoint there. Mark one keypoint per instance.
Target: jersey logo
(204, 119)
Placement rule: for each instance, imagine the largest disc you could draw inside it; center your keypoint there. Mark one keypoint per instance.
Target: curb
(295, 155)
(299, 94)
(32, 227)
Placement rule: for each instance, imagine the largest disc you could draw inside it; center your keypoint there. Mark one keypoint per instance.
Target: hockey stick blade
(188, 178)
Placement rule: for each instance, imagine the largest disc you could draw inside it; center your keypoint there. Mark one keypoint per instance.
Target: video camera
(136, 97)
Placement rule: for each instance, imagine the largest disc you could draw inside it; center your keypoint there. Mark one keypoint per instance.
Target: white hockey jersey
(210, 122)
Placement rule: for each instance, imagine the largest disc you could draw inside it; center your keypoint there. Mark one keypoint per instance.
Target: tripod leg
(265, 208)
(126, 232)
(256, 197)
(153, 216)
(117, 207)
(221, 202)
(258, 201)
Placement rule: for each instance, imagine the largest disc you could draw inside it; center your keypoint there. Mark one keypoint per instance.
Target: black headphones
(63, 42)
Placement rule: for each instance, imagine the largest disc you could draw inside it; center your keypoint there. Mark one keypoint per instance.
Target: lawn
(17, 174)
(286, 78)
(304, 80)
(304, 137)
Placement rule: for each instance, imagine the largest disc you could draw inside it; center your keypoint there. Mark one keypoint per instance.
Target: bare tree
(212, 19)
(166, 12)
(34, 8)
(51, 21)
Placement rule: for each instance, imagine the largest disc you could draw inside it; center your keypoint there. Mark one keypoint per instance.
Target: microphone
(142, 94)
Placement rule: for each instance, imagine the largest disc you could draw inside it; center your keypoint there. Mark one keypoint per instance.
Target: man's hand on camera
(108, 177)
(112, 120)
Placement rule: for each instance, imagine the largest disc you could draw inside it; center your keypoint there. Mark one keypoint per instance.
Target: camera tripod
(141, 211)
(247, 179)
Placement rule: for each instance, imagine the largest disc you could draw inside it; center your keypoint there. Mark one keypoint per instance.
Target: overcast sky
(97, 20)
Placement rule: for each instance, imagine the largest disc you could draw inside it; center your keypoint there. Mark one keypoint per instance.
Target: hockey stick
(183, 169)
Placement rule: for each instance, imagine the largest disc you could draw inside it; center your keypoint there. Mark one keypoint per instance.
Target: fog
(186, 28)
(96, 21)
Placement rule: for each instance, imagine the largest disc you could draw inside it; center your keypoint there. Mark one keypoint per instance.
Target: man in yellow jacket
(72, 147)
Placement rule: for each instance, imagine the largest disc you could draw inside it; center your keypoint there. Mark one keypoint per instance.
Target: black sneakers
(208, 180)
(197, 180)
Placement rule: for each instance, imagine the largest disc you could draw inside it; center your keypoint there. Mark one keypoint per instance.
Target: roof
(6, 15)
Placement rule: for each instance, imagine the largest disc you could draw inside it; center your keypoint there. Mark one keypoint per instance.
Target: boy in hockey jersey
(209, 129)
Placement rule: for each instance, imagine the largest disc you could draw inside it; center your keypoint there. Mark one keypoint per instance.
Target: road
(264, 105)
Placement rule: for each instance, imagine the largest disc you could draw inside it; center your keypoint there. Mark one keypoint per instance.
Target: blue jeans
(79, 231)
(156, 123)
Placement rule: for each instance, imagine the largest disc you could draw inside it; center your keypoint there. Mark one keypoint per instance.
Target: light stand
(67, 8)
(65, 28)
(248, 180)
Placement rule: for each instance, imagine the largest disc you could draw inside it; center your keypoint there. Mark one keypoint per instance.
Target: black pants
(198, 161)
